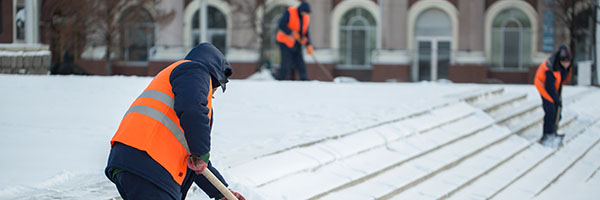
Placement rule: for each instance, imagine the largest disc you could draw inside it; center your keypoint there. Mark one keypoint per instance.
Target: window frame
(345, 58)
(500, 31)
(146, 22)
(210, 31)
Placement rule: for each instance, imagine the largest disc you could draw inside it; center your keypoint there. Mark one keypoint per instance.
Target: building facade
(370, 40)
(21, 51)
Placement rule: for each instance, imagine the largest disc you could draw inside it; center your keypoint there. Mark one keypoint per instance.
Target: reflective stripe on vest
(294, 25)
(158, 95)
(159, 116)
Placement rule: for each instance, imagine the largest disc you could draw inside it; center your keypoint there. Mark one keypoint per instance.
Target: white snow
(56, 129)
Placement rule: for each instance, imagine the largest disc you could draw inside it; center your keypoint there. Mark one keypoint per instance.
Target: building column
(32, 34)
(597, 45)
(203, 20)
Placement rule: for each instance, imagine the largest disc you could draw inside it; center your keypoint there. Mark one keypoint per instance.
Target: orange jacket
(152, 125)
(294, 25)
(548, 81)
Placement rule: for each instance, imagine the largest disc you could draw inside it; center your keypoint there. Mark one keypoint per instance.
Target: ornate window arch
(511, 36)
(424, 5)
(357, 39)
(218, 27)
(343, 7)
(496, 10)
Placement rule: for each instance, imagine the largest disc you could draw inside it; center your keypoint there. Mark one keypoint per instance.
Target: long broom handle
(322, 67)
(318, 63)
(557, 117)
(217, 183)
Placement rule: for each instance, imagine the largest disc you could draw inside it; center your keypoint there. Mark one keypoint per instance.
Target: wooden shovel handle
(217, 183)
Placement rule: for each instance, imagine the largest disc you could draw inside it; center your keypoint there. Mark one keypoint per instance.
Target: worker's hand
(304, 40)
(310, 49)
(296, 36)
(196, 164)
(237, 195)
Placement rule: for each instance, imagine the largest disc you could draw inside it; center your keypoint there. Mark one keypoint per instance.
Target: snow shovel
(217, 183)
(559, 138)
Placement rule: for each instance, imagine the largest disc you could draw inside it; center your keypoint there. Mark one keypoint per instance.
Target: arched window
(137, 34)
(357, 39)
(433, 36)
(272, 19)
(511, 40)
(216, 30)
(433, 22)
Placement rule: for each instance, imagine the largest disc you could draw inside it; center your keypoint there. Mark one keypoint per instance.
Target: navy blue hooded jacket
(191, 83)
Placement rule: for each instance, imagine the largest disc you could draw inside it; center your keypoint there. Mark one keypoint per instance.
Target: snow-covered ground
(56, 129)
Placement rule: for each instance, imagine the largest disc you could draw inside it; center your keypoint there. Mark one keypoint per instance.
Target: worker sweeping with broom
(293, 32)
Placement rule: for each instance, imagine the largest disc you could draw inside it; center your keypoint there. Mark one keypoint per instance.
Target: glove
(304, 41)
(296, 36)
(558, 103)
(310, 49)
(237, 195)
(197, 163)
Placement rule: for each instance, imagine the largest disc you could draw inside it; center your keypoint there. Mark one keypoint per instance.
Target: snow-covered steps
(492, 104)
(508, 106)
(537, 180)
(308, 157)
(402, 177)
(503, 115)
(361, 167)
(453, 151)
(488, 185)
(579, 174)
(451, 180)
(476, 95)
(501, 177)
(536, 133)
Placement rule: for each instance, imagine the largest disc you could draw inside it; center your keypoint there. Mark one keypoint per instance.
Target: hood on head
(216, 63)
(563, 51)
(304, 7)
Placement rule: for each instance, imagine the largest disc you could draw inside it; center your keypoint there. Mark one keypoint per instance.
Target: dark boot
(551, 140)
(547, 139)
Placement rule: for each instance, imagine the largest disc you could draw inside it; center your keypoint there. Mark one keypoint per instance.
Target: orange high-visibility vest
(540, 80)
(151, 125)
(294, 25)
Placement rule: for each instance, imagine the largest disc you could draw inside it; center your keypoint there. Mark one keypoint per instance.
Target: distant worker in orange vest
(291, 35)
(163, 141)
(550, 77)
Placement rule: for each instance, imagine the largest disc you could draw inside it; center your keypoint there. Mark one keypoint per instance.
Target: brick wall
(467, 73)
(400, 73)
(6, 35)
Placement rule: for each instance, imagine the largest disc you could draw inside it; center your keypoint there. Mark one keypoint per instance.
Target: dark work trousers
(134, 187)
(551, 113)
(202, 182)
(291, 58)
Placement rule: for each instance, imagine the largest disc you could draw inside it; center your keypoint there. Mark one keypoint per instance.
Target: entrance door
(433, 57)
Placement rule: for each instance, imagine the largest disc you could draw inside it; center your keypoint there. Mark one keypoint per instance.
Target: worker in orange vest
(550, 77)
(163, 141)
(291, 35)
